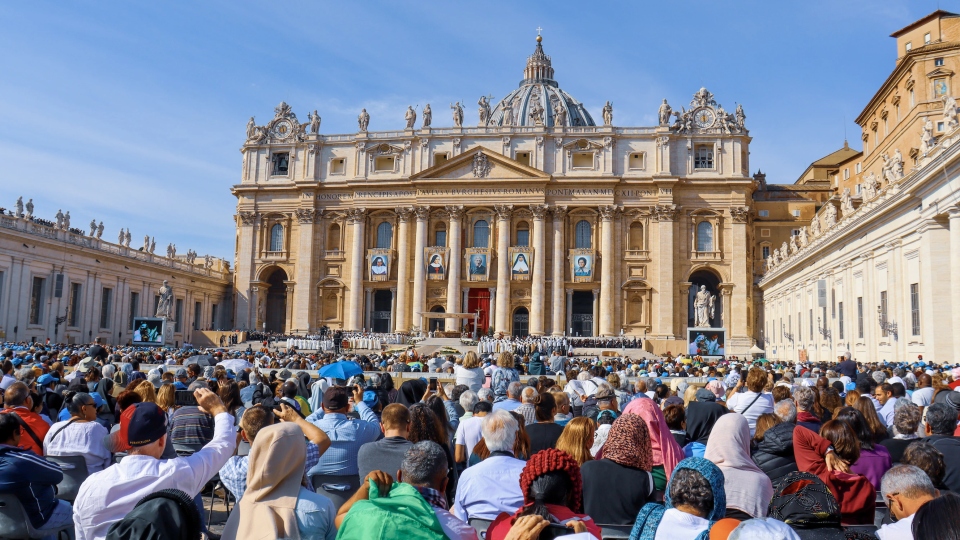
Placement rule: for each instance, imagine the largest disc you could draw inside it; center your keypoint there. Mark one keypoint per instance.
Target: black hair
(74, 401)
(690, 488)
(938, 519)
(553, 487)
(858, 424)
(898, 390)
(483, 406)
(9, 426)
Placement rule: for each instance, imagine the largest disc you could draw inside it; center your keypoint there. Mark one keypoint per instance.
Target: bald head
(924, 381)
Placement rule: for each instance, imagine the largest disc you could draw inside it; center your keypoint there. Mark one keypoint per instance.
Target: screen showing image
(147, 331)
(706, 342)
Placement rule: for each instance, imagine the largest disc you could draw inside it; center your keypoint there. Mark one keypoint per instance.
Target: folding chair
(15, 525)
(338, 489)
(74, 473)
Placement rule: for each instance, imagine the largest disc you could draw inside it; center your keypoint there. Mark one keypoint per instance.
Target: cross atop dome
(539, 68)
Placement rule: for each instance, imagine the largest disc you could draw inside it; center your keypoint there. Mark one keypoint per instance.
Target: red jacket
(38, 425)
(501, 526)
(855, 493)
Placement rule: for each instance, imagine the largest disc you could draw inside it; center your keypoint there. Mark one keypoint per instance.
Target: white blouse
(677, 525)
(79, 439)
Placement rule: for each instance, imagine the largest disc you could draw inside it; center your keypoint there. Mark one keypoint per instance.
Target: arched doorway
(276, 316)
(581, 312)
(711, 281)
(437, 325)
(521, 322)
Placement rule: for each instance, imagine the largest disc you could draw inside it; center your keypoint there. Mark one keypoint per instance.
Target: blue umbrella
(341, 370)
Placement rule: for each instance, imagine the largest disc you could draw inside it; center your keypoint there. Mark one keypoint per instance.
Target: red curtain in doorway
(479, 299)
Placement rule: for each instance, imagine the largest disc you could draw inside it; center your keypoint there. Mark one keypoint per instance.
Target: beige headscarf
(267, 509)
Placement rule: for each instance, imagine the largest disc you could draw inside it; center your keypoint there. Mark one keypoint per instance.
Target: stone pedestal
(168, 332)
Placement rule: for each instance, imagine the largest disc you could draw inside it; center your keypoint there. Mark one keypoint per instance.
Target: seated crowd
(723, 450)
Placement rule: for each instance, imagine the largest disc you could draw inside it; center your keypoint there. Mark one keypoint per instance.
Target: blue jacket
(32, 479)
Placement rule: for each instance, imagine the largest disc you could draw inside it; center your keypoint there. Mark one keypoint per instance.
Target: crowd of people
(516, 447)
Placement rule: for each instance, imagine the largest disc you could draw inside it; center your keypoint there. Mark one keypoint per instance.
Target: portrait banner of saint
(521, 263)
(436, 258)
(581, 265)
(379, 264)
(478, 264)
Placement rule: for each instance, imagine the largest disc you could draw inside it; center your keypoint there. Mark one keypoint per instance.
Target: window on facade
(523, 234)
(938, 61)
(178, 325)
(36, 300)
(858, 189)
(582, 235)
(481, 233)
(858, 169)
(196, 315)
(939, 126)
(860, 317)
(912, 102)
(846, 173)
(276, 237)
(333, 237)
(833, 303)
(704, 236)
(898, 111)
(213, 317)
(338, 166)
(636, 161)
(636, 236)
(384, 235)
(703, 158)
(886, 128)
(764, 213)
(58, 286)
(811, 324)
(74, 304)
(866, 146)
(883, 312)
(926, 38)
(915, 309)
(524, 157)
(439, 158)
(908, 46)
(796, 213)
(766, 252)
(582, 160)
(383, 164)
(795, 232)
(106, 297)
(134, 308)
(440, 236)
(840, 318)
(281, 163)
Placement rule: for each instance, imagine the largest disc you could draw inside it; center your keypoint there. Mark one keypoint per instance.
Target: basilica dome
(539, 101)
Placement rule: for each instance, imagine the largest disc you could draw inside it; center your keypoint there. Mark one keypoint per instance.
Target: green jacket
(403, 513)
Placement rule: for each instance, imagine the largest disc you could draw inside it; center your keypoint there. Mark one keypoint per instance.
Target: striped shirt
(190, 426)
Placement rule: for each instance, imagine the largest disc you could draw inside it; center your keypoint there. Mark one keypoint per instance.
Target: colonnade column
(665, 215)
(393, 306)
(569, 311)
(453, 266)
(596, 311)
(493, 307)
(357, 217)
(607, 263)
(367, 308)
(401, 313)
(419, 277)
(539, 272)
(303, 318)
(504, 212)
(560, 320)
(955, 275)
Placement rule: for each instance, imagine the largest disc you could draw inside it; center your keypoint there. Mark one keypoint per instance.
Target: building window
(36, 301)
(860, 317)
(898, 111)
(439, 158)
(846, 173)
(636, 236)
(811, 325)
(75, 304)
(764, 213)
(524, 157)
(703, 158)
(523, 234)
(178, 325)
(276, 237)
(196, 315)
(866, 146)
(858, 189)
(796, 213)
(704, 236)
(213, 317)
(908, 46)
(636, 162)
(833, 303)
(384, 235)
(440, 235)
(338, 166)
(333, 237)
(766, 252)
(840, 318)
(481, 233)
(795, 232)
(912, 102)
(926, 38)
(383, 164)
(582, 160)
(281, 163)
(883, 312)
(938, 61)
(134, 307)
(582, 235)
(105, 301)
(939, 126)
(915, 309)
(800, 328)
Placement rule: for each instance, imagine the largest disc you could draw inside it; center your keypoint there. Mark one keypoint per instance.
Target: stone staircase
(432, 345)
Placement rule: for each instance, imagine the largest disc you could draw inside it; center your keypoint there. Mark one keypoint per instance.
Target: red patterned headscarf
(628, 443)
(550, 460)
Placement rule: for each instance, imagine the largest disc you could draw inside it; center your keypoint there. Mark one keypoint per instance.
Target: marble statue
(169, 251)
(363, 120)
(314, 122)
(29, 209)
(173, 249)
(207, 261)
(484, 111)
(886, 170)
(127, 238)
(608, 114)
(457, 114)
(427, 116)
(536, 112)
(261, 309)
(897, 160)
(153, 245)
(665, 112)
(926, 137)
(59, 217)
(251, 129)
(146, 242)
(802, 237)
(792, 244)
(165, 303)
(704, 305)
(775, 257)
(846, 203)
(66, 221)
(120, 237)
(869, 189)
(830, 216)
(19, 206)
(741, 117)
(100, 230)
(410, 117)
(950, 113)
(559, 113)
(507, 114)
(93, 227)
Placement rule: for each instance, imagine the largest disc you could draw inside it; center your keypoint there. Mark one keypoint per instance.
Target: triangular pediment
(496, 166)
(939, 72)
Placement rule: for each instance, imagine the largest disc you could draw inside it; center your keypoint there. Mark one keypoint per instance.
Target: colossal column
(955, 275)
(665, 215)
(559, 320)
(301, 299)
(357, 216)
(423, 214)
(539, 272)
(607, 265)
(504, 212)
(402, 312)
(453, 266)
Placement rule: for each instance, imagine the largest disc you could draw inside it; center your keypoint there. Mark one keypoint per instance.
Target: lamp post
(825, 332)
(885, 326)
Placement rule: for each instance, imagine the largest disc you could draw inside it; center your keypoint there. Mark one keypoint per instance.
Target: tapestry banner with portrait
(436, 258)
(379, 261)
(521, 263)
(581, 264)
(478, 264)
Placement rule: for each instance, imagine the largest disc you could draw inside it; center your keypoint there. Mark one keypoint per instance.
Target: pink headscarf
(747, 487)
(664, 447)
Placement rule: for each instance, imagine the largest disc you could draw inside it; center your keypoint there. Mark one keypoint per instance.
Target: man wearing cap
(107, 496)
(346, 435)
(181, 377)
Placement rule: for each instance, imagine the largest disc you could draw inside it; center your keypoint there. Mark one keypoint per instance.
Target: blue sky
(133, 112)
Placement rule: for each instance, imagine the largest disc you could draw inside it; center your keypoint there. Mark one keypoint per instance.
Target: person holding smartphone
(346, 435)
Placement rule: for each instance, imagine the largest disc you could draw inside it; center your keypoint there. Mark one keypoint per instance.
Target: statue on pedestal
(165, 304)
(457, 114)
(59, 217)
(703, 308)
(608, 114)
(666, 111)
(93, 227)
(314, 122)
(29, 209)
(99, 230)
(153, 244)
(410, 117)
(19, 206)
(363, 119)
(66, 221)
(427, 116)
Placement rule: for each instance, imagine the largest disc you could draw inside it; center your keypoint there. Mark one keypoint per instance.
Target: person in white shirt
(469, 431)
(81, 435)
(107, 496)
(752, 403)
(493, 485)
(923, 395)
(906, 488)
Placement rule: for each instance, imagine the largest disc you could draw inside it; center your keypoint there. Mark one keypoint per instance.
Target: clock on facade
(704, 118)
(282, 129)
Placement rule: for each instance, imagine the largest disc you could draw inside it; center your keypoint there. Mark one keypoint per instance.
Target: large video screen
(706, 341)
(147, 331)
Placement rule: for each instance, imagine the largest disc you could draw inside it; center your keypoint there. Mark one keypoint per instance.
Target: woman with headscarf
(275, 504)
(411, 392)
(553, 489)
(694, 501)
(719, 391)
(748, 489)
(665, 451)
(701, 417)
(617, 486)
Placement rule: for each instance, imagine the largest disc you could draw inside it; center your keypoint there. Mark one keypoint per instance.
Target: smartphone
(433, 384)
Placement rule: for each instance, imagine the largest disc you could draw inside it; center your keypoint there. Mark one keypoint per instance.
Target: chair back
(74, 473)
(336, 488)
(14, 523)
(243, 449)
(184, 450)
(614, 532)
(481, 525)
